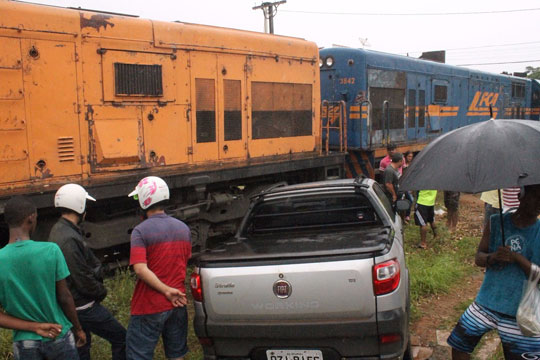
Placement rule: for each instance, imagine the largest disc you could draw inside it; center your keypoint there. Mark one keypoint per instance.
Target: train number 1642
(347, 81)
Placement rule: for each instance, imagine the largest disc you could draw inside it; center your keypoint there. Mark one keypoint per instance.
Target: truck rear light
(196, 287)
(386, 277)
(389, 338)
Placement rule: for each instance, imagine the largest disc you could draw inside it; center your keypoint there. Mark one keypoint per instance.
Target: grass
(436, 270)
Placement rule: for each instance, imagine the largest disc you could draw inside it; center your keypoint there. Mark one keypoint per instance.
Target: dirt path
(440, 313)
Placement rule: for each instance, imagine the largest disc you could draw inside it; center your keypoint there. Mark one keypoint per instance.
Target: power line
(501, 63)
(413, 14)
(482, 47)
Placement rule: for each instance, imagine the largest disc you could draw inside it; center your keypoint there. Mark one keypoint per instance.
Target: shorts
(451, 200)
(478, 320)
(144, 331)
(424, 214)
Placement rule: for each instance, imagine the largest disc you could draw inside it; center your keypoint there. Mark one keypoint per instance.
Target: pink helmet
(150, 191)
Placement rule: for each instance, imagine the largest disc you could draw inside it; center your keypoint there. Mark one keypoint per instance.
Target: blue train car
(385, 98)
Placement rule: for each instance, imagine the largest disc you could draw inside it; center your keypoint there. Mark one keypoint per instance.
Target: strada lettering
(289, 305)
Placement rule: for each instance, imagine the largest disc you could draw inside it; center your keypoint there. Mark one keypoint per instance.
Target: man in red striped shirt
(160, 250)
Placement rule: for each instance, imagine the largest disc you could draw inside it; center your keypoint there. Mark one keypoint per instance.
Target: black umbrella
(493, 154)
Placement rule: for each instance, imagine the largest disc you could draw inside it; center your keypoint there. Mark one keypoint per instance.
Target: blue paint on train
(412, 100)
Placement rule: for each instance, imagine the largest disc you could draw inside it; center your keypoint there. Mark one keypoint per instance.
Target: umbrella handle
(501, 215)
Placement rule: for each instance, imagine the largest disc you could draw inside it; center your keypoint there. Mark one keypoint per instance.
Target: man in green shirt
(424, 214)
(33, 288)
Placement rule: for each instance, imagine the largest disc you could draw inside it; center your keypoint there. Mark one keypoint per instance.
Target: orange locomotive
(104, 99)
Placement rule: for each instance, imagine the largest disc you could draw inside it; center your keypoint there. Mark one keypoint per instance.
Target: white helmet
(73, 197)
(150, 191)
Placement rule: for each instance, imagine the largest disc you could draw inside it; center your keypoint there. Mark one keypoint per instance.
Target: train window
(396, 111)
(233, 110)
(518, 90)
(206, 110)
(440, 94)
(421, 108)
(281, 110)
(138, 80)
(412, 108)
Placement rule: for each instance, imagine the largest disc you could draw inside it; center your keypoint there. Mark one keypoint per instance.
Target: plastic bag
(528, 314)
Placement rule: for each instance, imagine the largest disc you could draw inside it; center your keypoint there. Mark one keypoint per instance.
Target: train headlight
(329, 61)
(321, 63)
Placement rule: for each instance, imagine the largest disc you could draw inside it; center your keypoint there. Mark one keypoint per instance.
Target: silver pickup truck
(316, 272)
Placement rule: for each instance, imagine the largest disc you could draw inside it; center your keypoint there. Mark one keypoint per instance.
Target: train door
(50, 88)
(204, 106)
(386, 91)
(13, 125)
(416, 107)
(232, 127)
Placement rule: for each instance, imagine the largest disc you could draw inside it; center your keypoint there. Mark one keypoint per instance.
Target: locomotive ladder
(335, 113)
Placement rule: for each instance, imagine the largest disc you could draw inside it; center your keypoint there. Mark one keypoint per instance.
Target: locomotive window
(233, 110)
(421, 108)
(440, 94)
(412, 108)
(281, 110)
(137, 80)
(206, 110)
(518, 90)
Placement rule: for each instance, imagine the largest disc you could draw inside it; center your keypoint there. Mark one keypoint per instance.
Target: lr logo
(481, 103)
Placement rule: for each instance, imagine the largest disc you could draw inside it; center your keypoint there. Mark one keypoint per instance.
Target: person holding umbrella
(507, 267)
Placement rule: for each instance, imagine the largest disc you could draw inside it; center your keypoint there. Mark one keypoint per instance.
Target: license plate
(294, 355)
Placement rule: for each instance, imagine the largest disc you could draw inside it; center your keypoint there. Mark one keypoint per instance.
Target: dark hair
(64, 211)
(391, 147)
(397, 157)
(158, 206)
(17, 209)
(407, 153)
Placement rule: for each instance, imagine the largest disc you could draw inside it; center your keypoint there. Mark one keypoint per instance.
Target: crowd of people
(52, 291)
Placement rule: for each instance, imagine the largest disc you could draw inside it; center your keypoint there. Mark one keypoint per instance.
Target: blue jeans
(58, 349)
(144, 331)
(98, 320)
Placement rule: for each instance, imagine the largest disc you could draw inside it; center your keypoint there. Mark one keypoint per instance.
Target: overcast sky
(495, 31)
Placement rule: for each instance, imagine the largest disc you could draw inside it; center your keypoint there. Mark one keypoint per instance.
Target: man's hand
(176, 297)
(80, 337)
(503, 255)
(50, 331)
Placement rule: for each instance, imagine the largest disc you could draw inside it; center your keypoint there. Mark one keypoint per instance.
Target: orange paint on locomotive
(94, 96)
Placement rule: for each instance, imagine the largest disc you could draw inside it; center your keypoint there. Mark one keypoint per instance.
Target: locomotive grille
(138, 80)
(66, 149)
(281, 110)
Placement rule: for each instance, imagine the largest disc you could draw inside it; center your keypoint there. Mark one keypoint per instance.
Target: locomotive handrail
(386, 105)
(368, 120)
(343, 126)
(324, 104)
(329, 109)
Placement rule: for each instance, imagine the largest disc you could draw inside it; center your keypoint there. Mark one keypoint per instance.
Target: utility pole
(270, 10)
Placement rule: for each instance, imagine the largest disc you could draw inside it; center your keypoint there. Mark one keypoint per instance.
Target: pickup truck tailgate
(317, 290)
